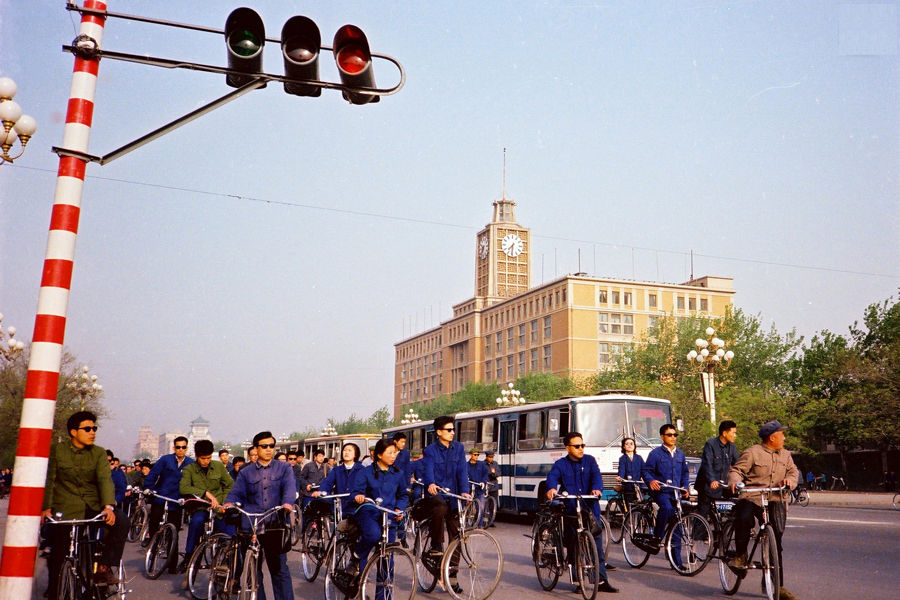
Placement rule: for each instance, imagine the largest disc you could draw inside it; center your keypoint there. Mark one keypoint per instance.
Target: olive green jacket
(216, 480)
(77, 479)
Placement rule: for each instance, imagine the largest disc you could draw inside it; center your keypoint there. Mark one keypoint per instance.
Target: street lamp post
(410, 417)
(329, 430)
(15, 124)
(10, 349)
(709, 356)
(85, 386)
(509, 396)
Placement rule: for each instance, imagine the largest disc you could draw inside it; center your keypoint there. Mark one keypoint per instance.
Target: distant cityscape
(152, 446)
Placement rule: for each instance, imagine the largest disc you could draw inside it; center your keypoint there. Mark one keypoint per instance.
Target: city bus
(332, 444)
(528, 439)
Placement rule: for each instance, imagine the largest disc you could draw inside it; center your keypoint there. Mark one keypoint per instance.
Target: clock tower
(502, 255)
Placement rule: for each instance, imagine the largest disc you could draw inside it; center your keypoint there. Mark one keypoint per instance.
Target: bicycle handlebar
(377, 504)
(333, 496)
(178, 501)
(447, 492)
(568, 496)
(57, 521)
(746, 490)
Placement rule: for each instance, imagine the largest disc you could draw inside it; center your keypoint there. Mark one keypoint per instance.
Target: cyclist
(719, 453)
(338, 481)
(444, 463)
(665, 463)
(478, 472)
(263, 484)
(630, 467)
(403, 456)
(209, 480)
(79, 485)
(312, 474)
(578, 473)
(766, 464)
(165, 479)
(384, 480)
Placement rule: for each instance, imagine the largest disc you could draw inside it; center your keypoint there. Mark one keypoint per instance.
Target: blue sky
(256, 266)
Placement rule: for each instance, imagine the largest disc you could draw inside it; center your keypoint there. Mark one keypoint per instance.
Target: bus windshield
(645, 419)
(601, 423)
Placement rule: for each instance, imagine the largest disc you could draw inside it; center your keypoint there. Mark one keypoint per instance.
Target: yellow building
(573, 325)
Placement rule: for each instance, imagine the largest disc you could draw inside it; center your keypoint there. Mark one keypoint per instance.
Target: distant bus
(332, 444)
(528, 439)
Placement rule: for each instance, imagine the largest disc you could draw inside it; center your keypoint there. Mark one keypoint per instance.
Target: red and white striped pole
(36, 427)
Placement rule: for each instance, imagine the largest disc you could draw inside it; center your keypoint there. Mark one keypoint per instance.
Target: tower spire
(503, 208)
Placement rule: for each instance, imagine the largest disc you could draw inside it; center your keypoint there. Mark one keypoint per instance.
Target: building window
(651, 300)
(487, 346)
(510, 339)
(704, 304)
(564, 296)
(628, 324)
(499, 365)
(615, 348)
(603, 353)
(602, 298)
(521, 363)
(692, 304)
(603, 322)
(522, 335)
(680, 303)
(546, 327)
(499, 343)
(534, 359)
(510, 367)
(615, 297)
(534, 331)
(616, 321)
(652, 322)
(547, 357)
(627, 298)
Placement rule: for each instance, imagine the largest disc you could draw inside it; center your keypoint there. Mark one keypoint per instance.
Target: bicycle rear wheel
(587, 565)
(471, 514)
(771, 576)
(546, 555)
(200, 564)
(615, 518)
(729, 578)
(337, 560)
(472, 566)
(490, 511)
(390, 574)
(427, 568)
(638, 528)
(161, 552)
(296, 525)
(689, 544)
(223, 572)
(313, 549)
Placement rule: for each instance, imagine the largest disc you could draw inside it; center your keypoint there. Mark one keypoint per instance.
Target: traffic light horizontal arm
(169, 63)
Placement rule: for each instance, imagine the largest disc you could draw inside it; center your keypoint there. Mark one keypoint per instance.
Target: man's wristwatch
(109, 506)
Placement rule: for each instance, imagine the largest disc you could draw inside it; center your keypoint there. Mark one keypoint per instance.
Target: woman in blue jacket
(340, 479)
(382, 480)
(630, 466)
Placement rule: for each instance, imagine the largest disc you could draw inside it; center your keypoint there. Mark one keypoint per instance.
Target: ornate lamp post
(709, 356)
(15, 124)
(329, 430)
(85, 386)
(410, 417)
(509, 396)
(10, 349)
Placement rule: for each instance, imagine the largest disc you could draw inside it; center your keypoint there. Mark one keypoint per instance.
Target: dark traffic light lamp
(245, 36)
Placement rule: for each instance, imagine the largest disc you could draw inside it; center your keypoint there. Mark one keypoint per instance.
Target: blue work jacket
(340, 481)
(120, 483)
(165, 477)
(403, 463)
(446, 467)
(478, 472)
(663, 467)
(714, 465)
(577, 477)
(388, 485)
(259, 488)
(631, 467)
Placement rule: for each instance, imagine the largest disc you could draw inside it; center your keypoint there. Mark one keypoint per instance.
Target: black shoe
(606, 587)
(455, 587)
(610, 567)
(576, 589)
(182, 566)
(353, 567)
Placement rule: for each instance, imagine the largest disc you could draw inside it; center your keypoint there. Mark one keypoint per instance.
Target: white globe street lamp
(10, 348)
(15, 124)
(509, 396)
(410, 417)
(85, 385)
(709, 356)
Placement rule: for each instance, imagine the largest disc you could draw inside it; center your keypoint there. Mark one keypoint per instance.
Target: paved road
(830, 553)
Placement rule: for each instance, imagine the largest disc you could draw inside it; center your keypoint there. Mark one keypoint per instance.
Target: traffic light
(354, 62)
(245, 36)
(300, 43)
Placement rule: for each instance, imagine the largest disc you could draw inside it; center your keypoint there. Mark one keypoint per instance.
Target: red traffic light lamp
(354, 62)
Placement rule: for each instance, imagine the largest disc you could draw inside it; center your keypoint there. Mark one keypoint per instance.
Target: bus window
(557, 426)
(415, 440)
(489, 434)
(466, 433)
(645, 419)
(530, 430)
(600, 423)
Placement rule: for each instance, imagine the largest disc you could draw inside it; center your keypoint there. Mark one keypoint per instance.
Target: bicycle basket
(279, 530)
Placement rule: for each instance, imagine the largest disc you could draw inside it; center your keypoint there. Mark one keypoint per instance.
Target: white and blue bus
(528, 439)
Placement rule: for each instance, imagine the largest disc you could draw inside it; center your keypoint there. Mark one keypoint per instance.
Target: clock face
(483, 247)
(512, 245)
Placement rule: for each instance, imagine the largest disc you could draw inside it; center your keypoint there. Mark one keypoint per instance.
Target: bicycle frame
(764, 499)
(79, 538)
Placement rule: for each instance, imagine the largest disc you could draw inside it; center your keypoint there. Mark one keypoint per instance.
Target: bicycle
(163, 548)
(617, 509)
(76, 574)
(200, 563)
(138, 521)
(800, 495)
(688, 538)
(474, 509)
(763, 538)
(549, 552)
(490, 505)
(837, 483)
(230, 577)
(390, 570)
(316, 537)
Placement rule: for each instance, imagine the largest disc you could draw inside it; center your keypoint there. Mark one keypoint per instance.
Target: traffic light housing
(354, 62)
(245, 36)
(300, 44)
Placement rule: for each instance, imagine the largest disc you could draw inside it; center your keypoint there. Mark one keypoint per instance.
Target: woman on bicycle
(340, 479)
(382, 480)
(630, 466)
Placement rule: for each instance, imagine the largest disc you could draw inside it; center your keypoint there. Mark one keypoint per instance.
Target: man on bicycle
(165, 479)
(261, 485)
(665, 463)
(79, 485)
(719, 453)
(209, 480)
(766, 464)
(478, 472)
(578, 474)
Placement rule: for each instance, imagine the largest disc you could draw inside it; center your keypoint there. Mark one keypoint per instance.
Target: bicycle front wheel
(161, 552)
(803, 498)
(69, 586)
(222, 573)
(490, 511)
(587, 565)
(771, 576)
(390, 574)
(428, 569)
(296, 525)
(337, 560)
(471, 514)
(472, 566)
(689, 544)
(200, 563)
(729, 578)
(249, 576)
(313, 549)
(546, 555)
(136, 524)
(615, 518)
(638, 529)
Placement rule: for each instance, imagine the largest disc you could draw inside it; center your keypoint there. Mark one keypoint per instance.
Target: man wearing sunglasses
(79, 485)
(578, 473)
(165, 479)
(665, 464)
